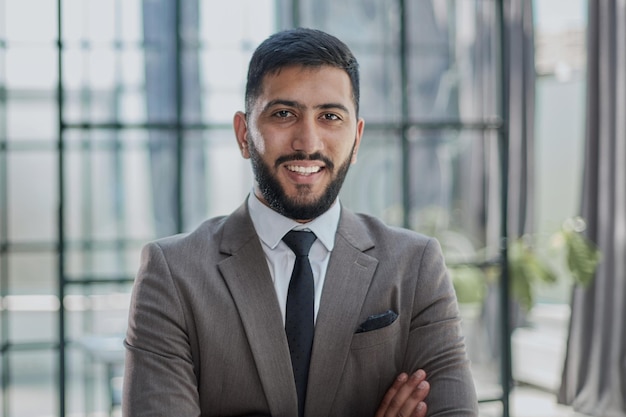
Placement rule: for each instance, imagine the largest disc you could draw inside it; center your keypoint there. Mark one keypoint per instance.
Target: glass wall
(115, 129)
(29, 200)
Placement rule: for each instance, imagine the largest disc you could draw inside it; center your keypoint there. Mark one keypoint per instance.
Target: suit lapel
(250, 284)
(348, 278)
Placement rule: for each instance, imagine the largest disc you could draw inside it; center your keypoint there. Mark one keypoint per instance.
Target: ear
(359, 134)
(241, 133)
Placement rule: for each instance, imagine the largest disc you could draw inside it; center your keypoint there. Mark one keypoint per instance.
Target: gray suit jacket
(206, 336)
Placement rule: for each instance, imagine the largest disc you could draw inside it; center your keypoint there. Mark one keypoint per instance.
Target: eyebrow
(297, 105)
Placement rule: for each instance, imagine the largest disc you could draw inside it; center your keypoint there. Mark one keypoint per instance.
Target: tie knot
(299, 241)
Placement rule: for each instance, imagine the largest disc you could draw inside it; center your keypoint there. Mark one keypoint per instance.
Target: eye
(330, 116)
(283, 114)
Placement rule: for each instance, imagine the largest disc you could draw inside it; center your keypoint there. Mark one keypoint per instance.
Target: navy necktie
(299, 316)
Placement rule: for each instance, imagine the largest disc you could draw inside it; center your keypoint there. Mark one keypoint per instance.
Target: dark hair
(301, 46)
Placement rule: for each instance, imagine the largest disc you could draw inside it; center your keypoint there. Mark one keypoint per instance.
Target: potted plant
(568, 253)
(533, 261)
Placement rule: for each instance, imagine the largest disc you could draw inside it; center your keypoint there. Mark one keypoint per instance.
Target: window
(121, 133)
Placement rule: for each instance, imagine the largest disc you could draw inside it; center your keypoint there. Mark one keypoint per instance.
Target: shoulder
(225, 233)
(203, 233)
(389, 244)
(379, 231)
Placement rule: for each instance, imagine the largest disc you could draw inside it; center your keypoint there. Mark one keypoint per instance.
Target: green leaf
(526, 268)
(469, 284)
(582, 257)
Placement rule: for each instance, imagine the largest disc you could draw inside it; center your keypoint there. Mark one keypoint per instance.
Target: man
(211, 328)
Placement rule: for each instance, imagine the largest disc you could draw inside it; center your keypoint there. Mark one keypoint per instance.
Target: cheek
(272, 143)
(256, 138)
(347, 152)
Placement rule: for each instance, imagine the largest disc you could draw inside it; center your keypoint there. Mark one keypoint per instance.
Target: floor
(528, 401)
(532, 402)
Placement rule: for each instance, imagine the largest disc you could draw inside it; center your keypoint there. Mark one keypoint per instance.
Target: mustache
(301, 156)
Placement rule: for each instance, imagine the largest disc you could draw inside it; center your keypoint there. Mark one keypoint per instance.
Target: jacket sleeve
(159, 378)
(435, 341)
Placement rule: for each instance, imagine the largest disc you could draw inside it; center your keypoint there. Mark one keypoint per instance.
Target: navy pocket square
(377, 321)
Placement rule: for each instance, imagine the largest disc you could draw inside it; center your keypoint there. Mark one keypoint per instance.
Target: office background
(115, 129)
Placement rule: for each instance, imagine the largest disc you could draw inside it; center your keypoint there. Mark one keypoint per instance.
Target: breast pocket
(376, 337)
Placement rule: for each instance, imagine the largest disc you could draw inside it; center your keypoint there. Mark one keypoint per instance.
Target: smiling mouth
(304, 170)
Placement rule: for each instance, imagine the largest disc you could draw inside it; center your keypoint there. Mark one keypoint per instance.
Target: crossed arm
(405, 397)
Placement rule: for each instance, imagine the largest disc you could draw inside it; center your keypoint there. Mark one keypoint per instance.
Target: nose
(308, 136)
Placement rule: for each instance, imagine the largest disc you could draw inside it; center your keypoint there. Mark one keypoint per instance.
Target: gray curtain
(521, 94)
(519, 76)
(594, 375)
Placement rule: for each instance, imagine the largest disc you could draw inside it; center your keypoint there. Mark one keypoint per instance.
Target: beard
(299, 207)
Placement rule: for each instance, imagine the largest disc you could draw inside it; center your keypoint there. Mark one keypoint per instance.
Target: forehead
(308, 85)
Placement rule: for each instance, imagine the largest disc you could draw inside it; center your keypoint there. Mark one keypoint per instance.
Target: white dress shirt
(272, 226)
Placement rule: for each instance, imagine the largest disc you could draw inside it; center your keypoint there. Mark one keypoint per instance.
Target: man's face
(302, 134)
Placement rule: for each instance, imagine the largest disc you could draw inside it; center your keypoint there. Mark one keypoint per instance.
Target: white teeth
(303, 170)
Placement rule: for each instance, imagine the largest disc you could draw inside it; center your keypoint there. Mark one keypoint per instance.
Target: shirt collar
(272, 226)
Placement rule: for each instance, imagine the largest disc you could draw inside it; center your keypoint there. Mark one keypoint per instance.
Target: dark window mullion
(61, 213)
